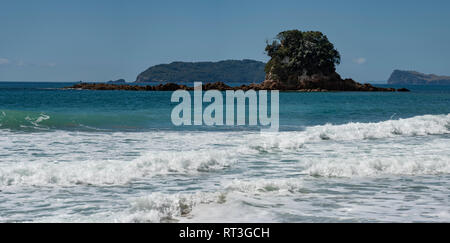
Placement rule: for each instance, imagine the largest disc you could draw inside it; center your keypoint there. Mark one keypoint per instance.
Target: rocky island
(300, 61)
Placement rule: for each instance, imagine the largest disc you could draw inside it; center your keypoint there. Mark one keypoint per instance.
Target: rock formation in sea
(319, 82)
(300, 61)
(306, 60)
(346, 84)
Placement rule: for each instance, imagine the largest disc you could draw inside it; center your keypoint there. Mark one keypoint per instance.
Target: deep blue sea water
(108, 156)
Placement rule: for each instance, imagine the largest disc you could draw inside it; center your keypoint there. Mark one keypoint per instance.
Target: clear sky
(100, 40)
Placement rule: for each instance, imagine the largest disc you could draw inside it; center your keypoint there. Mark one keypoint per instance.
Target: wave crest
(112, 172)
(159, 207)
(414, 126)
(372, 166)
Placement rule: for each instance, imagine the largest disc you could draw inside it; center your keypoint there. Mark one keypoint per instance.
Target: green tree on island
(296, 53)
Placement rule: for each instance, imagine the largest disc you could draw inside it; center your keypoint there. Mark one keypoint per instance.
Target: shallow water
(114, 156)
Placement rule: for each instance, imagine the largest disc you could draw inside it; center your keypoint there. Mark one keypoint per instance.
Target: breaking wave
(227, 149)
(159, 207)
(414, 126)
(112, 172)
(381, 166)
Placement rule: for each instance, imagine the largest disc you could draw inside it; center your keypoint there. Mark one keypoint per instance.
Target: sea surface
(115, 156)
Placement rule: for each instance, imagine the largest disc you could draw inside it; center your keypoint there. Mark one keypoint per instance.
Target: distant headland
(299, 61)
(118, 81)
(416, 78)
(231, 71)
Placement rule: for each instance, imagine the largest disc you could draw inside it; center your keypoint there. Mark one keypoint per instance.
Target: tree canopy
(294, 53)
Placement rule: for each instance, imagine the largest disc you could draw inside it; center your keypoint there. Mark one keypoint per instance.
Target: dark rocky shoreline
(315, 83)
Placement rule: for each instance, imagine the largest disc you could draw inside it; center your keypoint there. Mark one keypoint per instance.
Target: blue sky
(100, 40)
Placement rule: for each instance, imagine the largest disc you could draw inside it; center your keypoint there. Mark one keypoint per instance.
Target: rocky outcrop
(106, 86)
(160, 87)
(319, 83)
(416, 78)
(305, 84)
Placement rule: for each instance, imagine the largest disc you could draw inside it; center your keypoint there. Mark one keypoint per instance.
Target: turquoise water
(114, 156)
(142, 111)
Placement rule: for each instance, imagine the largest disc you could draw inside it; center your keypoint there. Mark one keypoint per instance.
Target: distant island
(416, 78)
(303, 61)
(118, 81)
(230, 71)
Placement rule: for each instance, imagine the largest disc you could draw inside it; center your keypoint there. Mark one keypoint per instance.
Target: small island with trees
(303, 61)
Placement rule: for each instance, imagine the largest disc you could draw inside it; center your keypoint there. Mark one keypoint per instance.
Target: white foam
(206, 206)
(159, 207)
(415, 126)
(258, 186)
(72, 158)
(270, 174)
(367, 166)
(111, 172)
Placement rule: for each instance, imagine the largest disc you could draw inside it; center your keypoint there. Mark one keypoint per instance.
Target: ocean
(115, 156)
